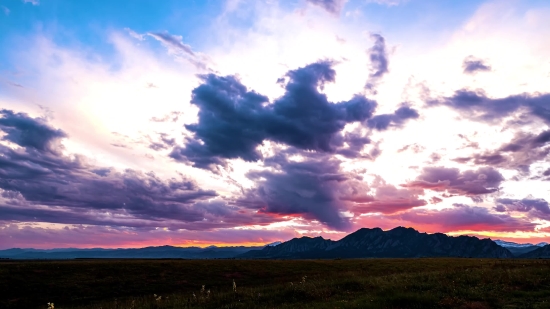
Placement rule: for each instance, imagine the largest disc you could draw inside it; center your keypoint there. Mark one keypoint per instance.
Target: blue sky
(247, 122)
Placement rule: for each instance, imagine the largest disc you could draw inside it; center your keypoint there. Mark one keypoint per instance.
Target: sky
(195, 123)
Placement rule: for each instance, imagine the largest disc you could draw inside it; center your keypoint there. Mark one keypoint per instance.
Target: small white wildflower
(234, 286)
(202, 290)
(50, 306)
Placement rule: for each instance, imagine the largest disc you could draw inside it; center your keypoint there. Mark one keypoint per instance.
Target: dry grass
(365, 283)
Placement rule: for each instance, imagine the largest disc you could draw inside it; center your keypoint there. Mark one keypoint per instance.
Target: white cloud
(33, 2)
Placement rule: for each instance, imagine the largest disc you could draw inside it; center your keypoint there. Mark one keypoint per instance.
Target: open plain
(353, 283)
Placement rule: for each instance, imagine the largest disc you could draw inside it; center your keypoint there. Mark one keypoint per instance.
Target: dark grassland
(361, 283)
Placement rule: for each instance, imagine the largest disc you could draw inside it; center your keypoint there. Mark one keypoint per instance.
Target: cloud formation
(33, 2)
(233, 121)
(28, 132)
(469, 183)
(477, 106)
(524, 150)
(537, 208)
(382, 122)
(378, 56)
(388, 199)
(308, 188)
(175, 46)
(332, 6)
(466, 217)
(472, 65)
(39, 184)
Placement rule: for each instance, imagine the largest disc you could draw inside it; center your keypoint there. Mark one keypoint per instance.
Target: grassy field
(363, 283)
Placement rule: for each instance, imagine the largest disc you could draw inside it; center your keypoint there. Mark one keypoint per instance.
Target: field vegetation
(359, 283)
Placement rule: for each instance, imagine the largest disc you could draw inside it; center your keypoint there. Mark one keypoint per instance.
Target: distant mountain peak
(273, 244)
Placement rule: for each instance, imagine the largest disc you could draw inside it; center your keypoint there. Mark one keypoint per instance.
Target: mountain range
(399, 242)
(519, 249)
(162, 252)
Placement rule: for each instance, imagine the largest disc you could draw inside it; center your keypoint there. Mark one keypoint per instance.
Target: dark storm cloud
(382, 122)
(473, 65)
(28, 132)
(331, 6)
(524, 150)
(308, 188)
(233, 121)
(378, 56)
(477, 106)
(355, 141)
(37, 184)
(470, 183)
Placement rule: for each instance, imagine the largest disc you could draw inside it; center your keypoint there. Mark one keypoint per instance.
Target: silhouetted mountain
(542, 252)
(141, 253)
(304, 247)
(519, 249)
(399, 242)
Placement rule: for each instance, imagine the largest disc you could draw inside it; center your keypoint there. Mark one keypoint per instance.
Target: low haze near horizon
(197, 123)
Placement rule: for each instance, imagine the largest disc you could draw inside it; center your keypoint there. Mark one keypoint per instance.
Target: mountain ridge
(519, 249)
(399, 242)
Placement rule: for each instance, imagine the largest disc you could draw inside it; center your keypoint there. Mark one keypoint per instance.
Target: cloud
(465, 217)
(171, 117)
(93, 236)
(33, 2)
(388, 2)
(473, 65)
(308, 188)
(165, 142)
(524, 150)
(332, 6)
(379, 61)
(175, 46)
(477, 106)
(28, 132)
(173, 43)
(387, 199)
(469, 183)
(135, 35)
(538, 208)
(355, 142)
(233, 121)
(39, 184)
(382, 122)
